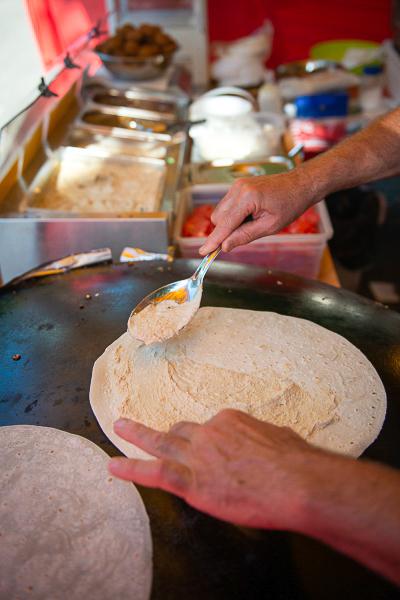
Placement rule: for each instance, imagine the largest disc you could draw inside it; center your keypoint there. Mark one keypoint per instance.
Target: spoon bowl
(182, 291)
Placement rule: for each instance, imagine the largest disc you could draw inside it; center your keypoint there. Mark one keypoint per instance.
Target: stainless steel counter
(27, 243)
(30, 238)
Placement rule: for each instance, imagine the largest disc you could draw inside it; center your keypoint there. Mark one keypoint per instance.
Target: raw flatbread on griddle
(69, 531)
(285, 370)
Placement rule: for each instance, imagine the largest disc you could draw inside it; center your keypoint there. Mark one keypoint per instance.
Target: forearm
(274, 201)
(356, 509)
(371, 154)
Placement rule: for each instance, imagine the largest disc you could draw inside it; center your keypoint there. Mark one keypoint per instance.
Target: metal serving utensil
(173, 127)
(180, 291)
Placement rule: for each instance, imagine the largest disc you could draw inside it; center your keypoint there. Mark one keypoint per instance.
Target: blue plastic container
(332, 104)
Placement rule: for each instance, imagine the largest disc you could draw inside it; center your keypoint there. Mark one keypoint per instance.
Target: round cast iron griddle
(59, 334)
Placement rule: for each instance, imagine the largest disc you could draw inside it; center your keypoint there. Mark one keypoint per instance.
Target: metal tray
(172, 152)
(195, 556)
(121, 121)
(135, 113)
(30, 236)
(70, 159)
(164, 103)
(226, 172)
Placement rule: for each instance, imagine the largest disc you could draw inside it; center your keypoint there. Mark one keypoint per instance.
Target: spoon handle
(205, 265)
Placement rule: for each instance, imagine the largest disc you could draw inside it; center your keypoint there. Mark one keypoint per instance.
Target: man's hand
(273, 201)
(233, 467)
(258, 475)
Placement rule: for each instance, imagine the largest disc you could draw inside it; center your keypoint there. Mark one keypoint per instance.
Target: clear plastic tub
(294, 253)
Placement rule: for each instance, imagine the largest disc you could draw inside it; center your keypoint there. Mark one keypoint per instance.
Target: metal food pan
(226, 172)
(89, 137)
(171, 152)
(174, 104)
(64, 173)
(139, 113)
(133, 113)
(146, 106)
(122, 118)
(31, 237)
(122, 121)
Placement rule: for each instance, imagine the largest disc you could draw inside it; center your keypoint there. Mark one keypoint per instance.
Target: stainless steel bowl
(135, 68)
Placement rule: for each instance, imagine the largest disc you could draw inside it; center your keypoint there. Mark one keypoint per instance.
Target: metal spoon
(180, 291)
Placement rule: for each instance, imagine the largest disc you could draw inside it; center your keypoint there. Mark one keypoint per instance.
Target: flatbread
(280, 369)
(68, 529)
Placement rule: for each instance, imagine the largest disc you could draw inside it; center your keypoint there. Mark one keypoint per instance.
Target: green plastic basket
(336, 49)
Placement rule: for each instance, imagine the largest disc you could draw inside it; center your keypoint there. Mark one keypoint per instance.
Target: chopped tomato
(205, 210)
(197, 227)
(306, 223)
(198, 224)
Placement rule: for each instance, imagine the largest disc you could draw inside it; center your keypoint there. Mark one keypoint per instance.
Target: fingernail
(114, 463)
(121, 422)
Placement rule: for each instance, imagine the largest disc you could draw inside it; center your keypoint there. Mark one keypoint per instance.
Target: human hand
(255, 474)
(233, 467)
(273, 201)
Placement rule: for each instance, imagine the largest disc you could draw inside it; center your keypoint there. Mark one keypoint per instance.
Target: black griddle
(59, 334)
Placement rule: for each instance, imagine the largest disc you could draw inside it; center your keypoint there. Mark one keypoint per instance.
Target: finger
(227, 223)
(239, 194)
(225, 204)
(137, 433)
(184, 429)
(166, 475)
(248, 232)
(156, 443)
(227, 215)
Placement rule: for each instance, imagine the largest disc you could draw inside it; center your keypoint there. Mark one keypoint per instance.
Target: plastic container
(392, 70)
(294, 253)
(318, 135)
(372, 83)
(328, 104)
(269, 98)
(255, 136)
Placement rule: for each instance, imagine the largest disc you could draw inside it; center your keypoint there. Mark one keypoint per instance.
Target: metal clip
(69, 63)
(44, 89)
(96, 31)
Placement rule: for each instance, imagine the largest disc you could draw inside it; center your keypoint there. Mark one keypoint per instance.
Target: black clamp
(69, 63)
(44, 89)
(96, 31)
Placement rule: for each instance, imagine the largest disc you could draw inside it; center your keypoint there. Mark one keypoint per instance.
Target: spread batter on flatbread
(280, 369)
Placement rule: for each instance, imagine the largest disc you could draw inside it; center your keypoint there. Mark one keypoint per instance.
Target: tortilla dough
(280, 369)
(68, 529)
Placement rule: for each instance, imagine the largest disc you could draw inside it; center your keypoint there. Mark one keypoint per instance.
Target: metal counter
(27, 240)
(27, 243)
